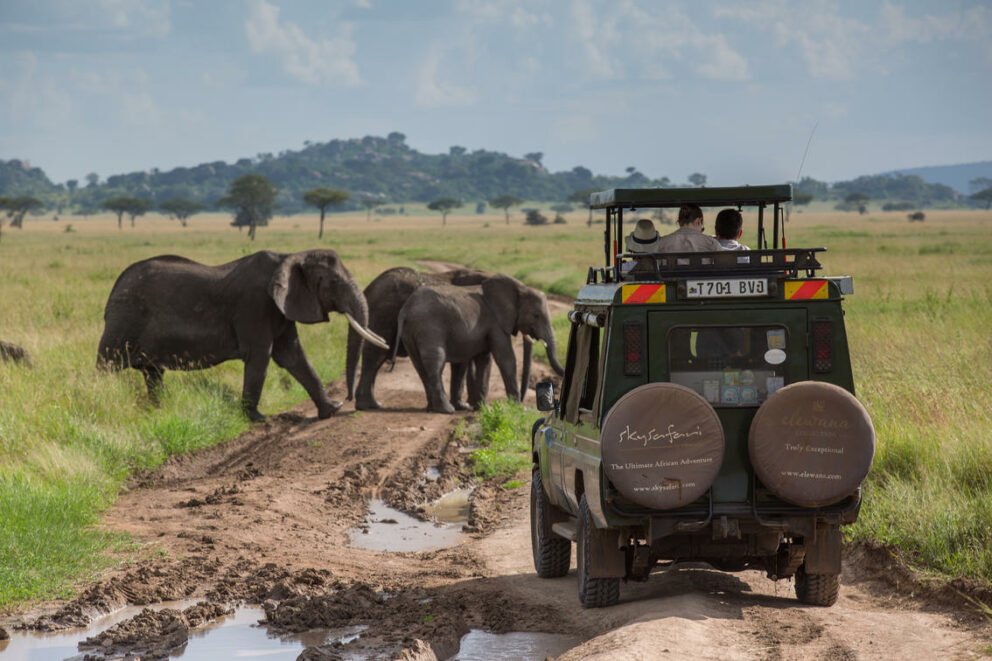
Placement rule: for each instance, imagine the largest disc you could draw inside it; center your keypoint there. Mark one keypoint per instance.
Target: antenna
(806, 151)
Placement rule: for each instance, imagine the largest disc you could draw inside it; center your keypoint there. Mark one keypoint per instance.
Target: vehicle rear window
(731, 366)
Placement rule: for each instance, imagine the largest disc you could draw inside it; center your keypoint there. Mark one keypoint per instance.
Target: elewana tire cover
(811, 443)
(662, 445)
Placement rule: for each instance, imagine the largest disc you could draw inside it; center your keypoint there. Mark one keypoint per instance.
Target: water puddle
(479, 645)
(388, 529)
(452, 507)
(432, 473)
(233, 636)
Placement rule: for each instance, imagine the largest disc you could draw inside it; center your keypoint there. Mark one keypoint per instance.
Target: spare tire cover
(811, 443)
(662, 445)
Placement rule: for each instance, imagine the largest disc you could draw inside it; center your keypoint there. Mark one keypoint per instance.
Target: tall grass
(70, 436)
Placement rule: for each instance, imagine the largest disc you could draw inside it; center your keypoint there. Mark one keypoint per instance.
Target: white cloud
(651, 39)
(434, 89)
(325, 60)
(37, 99)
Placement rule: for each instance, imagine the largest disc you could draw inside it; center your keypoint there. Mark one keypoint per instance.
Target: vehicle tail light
(823, 338)
(633, 348)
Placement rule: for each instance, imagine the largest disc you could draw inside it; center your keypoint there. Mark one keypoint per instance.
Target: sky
(730, 89)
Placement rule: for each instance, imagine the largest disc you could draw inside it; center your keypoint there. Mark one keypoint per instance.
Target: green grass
(70, 436)
(504, 440)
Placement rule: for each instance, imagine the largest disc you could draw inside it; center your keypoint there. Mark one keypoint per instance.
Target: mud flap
(606, 558)
(823, 555)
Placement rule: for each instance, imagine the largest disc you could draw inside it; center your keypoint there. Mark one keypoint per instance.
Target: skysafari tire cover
(811, 443)
(662, 445)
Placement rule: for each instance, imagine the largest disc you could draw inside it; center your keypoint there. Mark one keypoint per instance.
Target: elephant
(444, 323)
(169, 312)
(386, 295)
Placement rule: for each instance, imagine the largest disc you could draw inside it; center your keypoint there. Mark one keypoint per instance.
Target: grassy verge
(504, 439)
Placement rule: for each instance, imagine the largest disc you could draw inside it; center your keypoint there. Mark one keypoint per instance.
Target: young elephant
(442, 323)
(385, 296)
(169, 312)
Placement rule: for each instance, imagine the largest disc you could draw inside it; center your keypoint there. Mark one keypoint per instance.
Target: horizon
(732, 90)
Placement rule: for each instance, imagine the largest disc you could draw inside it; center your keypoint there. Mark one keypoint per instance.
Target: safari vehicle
(707, 412)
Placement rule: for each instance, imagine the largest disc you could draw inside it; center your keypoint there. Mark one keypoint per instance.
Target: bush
(535, 217)
(917, 216)
(560, 219)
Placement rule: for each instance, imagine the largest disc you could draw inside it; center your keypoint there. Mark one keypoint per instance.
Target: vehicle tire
(816, 589)
(593, 592)
(552, 554)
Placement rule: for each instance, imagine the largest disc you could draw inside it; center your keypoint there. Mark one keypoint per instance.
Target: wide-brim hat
(644, 238)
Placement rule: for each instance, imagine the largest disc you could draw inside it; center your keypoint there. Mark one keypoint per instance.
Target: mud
(265, 518)
(151, 635)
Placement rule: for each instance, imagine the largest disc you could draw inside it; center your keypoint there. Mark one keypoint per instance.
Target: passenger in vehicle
(644, 240)
(689, 236)
(729, 228)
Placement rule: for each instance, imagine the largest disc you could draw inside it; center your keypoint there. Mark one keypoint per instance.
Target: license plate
(726, 288)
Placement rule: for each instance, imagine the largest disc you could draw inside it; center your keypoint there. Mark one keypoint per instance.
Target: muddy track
(265, 519)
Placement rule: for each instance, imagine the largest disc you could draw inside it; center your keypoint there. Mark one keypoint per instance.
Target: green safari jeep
(707, 412)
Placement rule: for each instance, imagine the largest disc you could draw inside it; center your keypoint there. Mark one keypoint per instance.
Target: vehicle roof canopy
(704, 197)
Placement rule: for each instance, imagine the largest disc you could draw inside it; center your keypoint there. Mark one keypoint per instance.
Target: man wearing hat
(644, 240)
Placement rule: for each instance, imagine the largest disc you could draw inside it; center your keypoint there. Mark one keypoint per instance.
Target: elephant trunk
(351, 363)
(549, 346)
(525, 369)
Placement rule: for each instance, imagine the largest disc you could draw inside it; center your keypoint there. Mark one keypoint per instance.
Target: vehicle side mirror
(545, 393)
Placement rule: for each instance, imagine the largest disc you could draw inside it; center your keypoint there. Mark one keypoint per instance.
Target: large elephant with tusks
(170, 312)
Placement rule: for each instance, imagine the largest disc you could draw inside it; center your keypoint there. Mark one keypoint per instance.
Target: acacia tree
(371, 203)
(181, 209)
(18, 207)
(860, 200)
(252, 198)
(504, 202)
(984, 196)
(697, 179)
(125, 204)
(444, 205)
(322, 198)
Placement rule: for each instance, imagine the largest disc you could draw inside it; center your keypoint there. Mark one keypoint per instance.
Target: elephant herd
(169, 312)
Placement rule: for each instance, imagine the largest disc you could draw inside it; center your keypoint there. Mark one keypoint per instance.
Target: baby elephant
(169, 312)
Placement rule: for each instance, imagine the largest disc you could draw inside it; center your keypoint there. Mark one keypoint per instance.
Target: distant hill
(386, 168)
(955, 176)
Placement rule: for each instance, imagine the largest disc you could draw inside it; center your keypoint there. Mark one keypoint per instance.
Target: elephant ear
(502, 294)
(292, 295)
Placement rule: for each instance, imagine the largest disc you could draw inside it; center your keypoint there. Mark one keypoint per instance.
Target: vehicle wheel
(593, 592)
(816, 589)
(552, 554)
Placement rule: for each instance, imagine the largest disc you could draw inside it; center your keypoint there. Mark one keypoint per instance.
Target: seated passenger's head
(643, 238)
(690, 214)
(729, 224)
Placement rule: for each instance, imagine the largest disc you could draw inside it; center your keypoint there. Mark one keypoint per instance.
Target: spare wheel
(811, 443)
(662, 445)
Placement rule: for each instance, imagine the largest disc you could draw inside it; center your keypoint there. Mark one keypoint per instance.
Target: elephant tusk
(367, 334)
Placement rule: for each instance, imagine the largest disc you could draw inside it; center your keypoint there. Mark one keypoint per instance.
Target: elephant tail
(351, 364)
(399, 338)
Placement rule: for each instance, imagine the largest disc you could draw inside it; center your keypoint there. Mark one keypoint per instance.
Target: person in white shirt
(729, 228)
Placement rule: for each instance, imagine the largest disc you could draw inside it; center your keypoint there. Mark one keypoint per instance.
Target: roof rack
(659, 266)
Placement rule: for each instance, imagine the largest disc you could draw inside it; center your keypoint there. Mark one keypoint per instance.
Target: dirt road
(265, 519)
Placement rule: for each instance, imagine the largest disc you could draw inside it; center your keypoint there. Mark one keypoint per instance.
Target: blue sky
(731, 89)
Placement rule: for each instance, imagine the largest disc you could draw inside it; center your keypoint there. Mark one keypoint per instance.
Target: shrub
(535, 217)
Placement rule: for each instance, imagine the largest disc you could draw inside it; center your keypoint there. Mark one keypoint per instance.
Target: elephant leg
(429, 363)
(458, 371)
(153, 382)
(372, 360)
(288, 354)
(506, 360)
(478, 384)
(256, 365)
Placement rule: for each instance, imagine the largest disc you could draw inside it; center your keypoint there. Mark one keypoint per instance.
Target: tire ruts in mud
(811, 443)
(662, 445)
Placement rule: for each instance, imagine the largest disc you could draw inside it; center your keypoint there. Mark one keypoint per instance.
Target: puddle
(388, 529)
(234, 636)
(452, 507)
(479, 645)
(432, 473)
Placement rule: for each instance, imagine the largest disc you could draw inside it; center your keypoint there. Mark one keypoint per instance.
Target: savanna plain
(72, 436)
